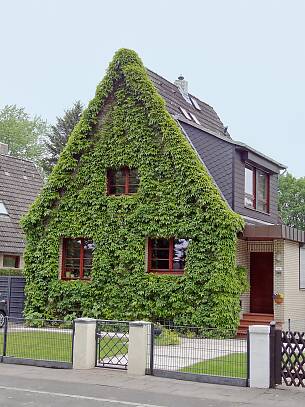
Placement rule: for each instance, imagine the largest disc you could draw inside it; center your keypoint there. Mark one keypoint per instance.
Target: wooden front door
(261, 283)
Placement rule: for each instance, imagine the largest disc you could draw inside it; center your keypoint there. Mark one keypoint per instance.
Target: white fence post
(84, 344)
(259, 342)
(139, 332)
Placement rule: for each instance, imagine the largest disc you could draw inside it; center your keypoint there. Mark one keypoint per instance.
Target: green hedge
(11, 272)
(127, 124)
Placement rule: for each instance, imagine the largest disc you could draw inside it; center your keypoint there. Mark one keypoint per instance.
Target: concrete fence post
(259, 363)
(138, 347)
(84, 343)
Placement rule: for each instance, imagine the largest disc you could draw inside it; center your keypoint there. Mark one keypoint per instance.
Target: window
(302, 267)
(124, 181)
(3, 210)
(11, 261)
(77, 258)
(185, 113)
(256, 189)
(195, 118)
(195, 103)
(167, 255)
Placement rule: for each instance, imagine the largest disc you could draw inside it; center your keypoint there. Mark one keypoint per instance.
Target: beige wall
(294, 298)
(243, 259)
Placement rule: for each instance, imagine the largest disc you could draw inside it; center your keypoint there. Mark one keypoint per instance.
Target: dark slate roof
(20, 183)
(207, 117)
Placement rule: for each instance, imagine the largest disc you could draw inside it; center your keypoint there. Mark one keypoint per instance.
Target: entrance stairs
(252, 319)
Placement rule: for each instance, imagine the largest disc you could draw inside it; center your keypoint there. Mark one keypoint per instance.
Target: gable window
(167, 255)
(256, 189)
(124, 181)
(11, 261)
(77, 258)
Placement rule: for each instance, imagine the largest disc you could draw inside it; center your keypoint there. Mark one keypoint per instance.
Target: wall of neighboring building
(217, 155)
(239, 193)
(294, 298)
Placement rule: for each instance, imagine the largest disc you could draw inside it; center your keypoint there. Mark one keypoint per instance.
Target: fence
(37, 342)
(199, 354)
(12, 289)
(112, 338)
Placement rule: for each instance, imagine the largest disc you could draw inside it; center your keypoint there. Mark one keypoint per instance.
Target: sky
(246, 58)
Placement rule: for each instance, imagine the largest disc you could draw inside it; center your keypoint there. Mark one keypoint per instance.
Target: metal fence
(37, 342)
(199, 354)
(112, 338)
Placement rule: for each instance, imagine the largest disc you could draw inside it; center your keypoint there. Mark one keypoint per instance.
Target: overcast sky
(245, 58)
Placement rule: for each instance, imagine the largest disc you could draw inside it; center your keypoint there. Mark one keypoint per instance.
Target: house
(20, 183)
(140, 216)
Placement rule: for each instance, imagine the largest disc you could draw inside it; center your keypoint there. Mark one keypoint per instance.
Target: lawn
(233, 365)
(55, 346)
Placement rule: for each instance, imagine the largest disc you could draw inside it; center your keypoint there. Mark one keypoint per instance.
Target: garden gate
(112, 339)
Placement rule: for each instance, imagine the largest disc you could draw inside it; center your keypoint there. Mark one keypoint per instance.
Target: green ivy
(11, 272)
(127, 124)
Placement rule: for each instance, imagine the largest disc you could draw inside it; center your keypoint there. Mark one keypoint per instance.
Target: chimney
(182, 84)
(3, 148)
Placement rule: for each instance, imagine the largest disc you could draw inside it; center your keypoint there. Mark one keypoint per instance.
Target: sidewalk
(116, 381)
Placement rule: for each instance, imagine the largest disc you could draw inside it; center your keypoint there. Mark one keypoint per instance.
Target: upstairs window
(124, 181)
(167, 255)
(256, 189)
(11, 261)
(77, 259)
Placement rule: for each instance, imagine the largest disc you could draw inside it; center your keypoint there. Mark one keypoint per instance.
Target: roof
(208, 118)
(20, 183)
(174, 100)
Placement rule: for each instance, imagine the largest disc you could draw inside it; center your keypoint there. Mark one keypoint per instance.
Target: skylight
(185, 113)
(195, 118)
(195, 104)
(3, 210)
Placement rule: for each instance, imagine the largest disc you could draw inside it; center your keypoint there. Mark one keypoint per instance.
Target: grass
(233, 365)
(55, 346)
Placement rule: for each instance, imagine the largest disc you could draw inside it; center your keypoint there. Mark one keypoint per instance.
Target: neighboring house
(130, 226)
(20, 183)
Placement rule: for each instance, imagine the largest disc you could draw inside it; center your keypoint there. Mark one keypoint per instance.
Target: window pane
(11, 261)
(133, 181)
(120, 177)
(160, 243)
(160, 264)
(160, 253)
(180, 247)
(249, 188)
(261, 191)
(72, 268)
(73, 247)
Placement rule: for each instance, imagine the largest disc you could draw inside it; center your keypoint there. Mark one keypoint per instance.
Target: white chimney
(3, 148)
(182, 85)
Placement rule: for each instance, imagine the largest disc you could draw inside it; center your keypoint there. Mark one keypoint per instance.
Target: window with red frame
(167, 255)
(124, 181)
(77, 259)
(11, 261)
(257, 189)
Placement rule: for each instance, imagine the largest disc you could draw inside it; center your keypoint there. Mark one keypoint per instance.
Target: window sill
(256, 210)
(167, 273)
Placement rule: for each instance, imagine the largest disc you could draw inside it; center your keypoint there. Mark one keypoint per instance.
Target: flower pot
(278, 298)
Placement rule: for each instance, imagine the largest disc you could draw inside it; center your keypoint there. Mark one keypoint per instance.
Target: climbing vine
(127, 124)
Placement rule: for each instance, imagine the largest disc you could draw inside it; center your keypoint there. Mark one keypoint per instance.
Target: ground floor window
(77, 258)
(302, 267)
(167, 255)
(11, 261)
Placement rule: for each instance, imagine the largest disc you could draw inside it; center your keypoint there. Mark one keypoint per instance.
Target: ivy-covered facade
(130, 225)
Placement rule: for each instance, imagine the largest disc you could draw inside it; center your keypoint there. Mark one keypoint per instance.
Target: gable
(127, 125)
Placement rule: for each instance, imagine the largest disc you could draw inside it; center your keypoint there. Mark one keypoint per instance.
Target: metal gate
(112, 339)
(293, 358)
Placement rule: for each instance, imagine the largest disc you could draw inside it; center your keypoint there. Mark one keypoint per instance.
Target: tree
(292, 201)
(59, 134)
(23, 134)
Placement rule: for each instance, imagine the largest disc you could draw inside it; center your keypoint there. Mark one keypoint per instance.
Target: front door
(261, 283)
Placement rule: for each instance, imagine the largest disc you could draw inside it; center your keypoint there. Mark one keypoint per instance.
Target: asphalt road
(28, 386)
